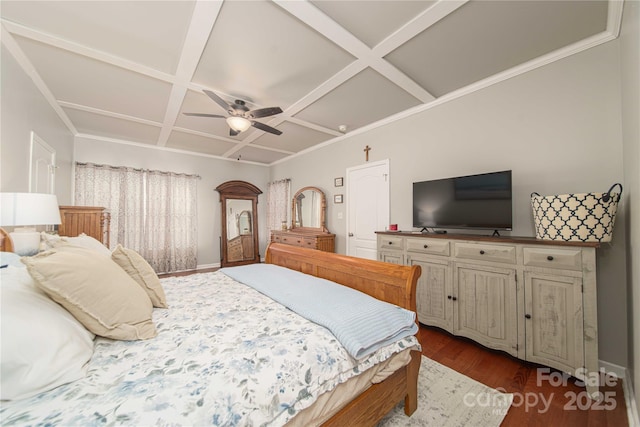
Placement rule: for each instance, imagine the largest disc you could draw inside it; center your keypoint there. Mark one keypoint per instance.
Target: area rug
(448, 398)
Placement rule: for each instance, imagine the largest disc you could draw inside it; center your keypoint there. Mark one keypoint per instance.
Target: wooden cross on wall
(366, 151)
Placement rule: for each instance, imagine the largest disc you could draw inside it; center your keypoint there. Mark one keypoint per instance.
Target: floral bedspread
(225, 355)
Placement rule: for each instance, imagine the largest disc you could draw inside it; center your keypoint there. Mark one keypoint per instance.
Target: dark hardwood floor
(186, 273)
(545, 404)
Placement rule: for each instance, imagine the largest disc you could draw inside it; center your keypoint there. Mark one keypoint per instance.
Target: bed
(125, 383)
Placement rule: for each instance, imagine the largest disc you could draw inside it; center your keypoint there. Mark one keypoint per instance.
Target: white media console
(534, 299)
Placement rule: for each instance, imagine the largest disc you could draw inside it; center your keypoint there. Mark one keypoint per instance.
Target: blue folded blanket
(360, 322)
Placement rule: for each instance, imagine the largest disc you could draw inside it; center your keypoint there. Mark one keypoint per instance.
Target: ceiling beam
(319, 21)
(204, 17)
(30, 70)
(88, 52)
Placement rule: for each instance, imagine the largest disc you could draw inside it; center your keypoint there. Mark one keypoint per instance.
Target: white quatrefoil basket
(585, 217)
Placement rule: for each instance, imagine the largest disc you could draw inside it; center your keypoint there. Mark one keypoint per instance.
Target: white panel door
(367, 207)
(42, 168)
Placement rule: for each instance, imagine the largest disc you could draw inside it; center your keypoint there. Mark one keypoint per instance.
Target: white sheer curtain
(121, 191)
(171, 222)
(278, 203)
(152, 212)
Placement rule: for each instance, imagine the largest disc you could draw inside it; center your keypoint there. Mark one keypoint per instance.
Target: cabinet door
(554, 320)
(434, 300)
(485, 306)
(393, 257)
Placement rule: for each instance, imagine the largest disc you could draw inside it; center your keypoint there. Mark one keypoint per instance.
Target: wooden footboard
(388, 282)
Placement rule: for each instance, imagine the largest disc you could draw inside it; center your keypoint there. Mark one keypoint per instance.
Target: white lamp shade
(239, 124)
(20, 209)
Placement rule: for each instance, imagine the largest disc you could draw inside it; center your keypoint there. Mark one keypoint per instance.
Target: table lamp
(25, 211)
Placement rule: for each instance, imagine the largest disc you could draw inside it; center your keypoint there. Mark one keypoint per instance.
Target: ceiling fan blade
(203, 115)
(264, 112)
(233, 132)
(221, 102)
(266, 128)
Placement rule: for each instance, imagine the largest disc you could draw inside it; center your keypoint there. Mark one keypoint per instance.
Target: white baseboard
(205, 266)
(613, 369)
(627, 388)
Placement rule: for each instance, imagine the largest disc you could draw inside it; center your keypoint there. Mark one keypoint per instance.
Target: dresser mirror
(308, 210)
(244, 222)
(239, 234)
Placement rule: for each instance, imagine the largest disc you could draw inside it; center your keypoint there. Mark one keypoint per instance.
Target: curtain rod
(137, 170)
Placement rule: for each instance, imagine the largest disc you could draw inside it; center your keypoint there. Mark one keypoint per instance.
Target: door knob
(350, 234)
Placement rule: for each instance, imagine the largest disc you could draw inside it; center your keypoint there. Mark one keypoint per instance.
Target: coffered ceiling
(126, 71)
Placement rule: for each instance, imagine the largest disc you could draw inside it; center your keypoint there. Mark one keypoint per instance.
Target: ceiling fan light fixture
(239, 124)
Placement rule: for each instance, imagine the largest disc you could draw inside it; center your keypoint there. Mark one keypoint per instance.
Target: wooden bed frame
(389, 282)
(6, 243)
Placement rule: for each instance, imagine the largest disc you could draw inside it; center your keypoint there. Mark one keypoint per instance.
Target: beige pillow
(140, 271)
(95, 290)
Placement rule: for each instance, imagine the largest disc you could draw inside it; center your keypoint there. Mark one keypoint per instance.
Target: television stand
(495, 233)
(514, 271)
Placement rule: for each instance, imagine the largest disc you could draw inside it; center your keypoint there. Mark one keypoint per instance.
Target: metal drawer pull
(550, 258)
(390, 243)
(448, 296)
(426, 246)
(528, 316)
(481, 252)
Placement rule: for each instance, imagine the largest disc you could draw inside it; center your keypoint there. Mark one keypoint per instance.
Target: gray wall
(558, 128)
(630, 66)
(24, 109)
(212, 171)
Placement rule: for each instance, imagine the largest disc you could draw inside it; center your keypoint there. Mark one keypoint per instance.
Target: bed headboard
(388, 282)
(93, 221)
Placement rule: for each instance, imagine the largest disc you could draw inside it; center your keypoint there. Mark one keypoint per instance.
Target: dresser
(240, 248)
(90, 220)
(534, 299)
(305, 238)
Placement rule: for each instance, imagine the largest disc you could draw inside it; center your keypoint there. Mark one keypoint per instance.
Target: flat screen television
(480, 201)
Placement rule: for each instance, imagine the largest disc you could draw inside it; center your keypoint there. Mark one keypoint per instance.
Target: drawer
(310, 242)
(292, 240)
(486, 252)
(567, 259)
(390, 242)
(428, 246)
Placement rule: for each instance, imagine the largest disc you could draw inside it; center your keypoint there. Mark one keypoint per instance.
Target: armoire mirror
(239, 233)
(308, 209)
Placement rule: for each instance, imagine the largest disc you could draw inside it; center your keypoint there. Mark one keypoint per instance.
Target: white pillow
(10, 258)
(50, 241)
(42, 345)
